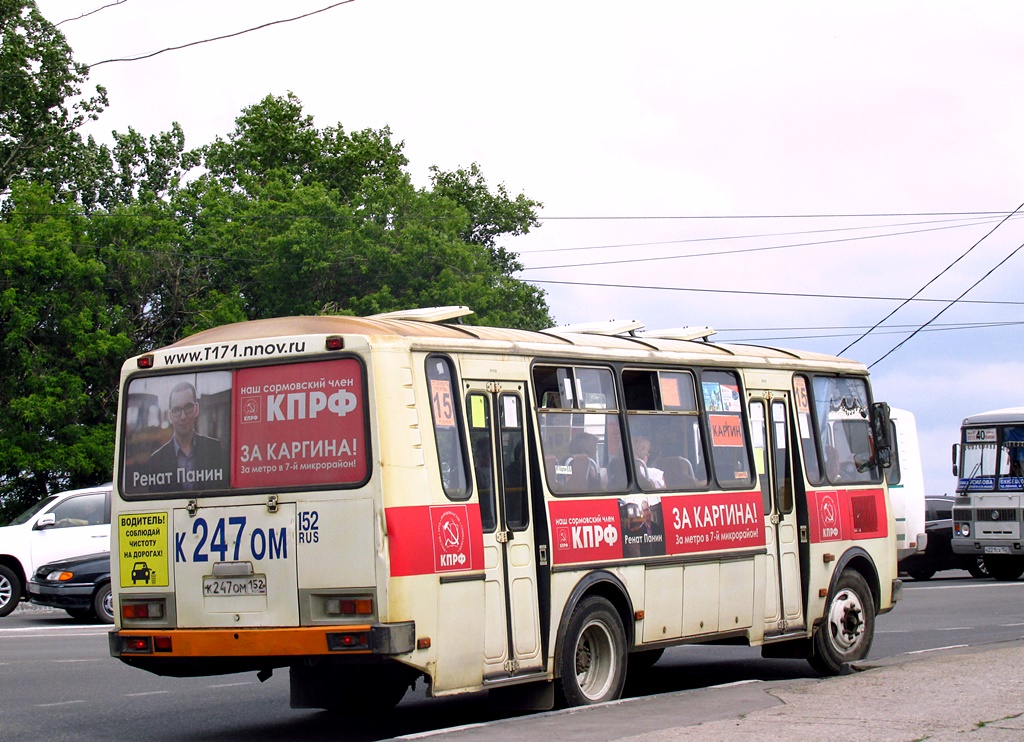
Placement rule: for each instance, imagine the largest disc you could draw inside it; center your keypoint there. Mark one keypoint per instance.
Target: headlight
(59, 576)
(963, 530)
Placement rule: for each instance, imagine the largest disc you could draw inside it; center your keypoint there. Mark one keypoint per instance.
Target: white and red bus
(372, 501)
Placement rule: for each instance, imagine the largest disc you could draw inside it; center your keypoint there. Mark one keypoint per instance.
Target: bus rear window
(294, 425)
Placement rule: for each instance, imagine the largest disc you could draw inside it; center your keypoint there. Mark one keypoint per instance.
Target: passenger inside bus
(585, 475)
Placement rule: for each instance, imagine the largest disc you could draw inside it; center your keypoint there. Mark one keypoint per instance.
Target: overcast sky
(877, 143)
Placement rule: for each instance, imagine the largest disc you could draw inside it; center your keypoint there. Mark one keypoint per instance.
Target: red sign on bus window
(299, 425)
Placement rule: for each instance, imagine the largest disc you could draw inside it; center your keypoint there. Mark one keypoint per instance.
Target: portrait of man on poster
(188, 460)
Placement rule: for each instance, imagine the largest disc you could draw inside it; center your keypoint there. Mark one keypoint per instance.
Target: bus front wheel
(592, 664)
(845, 634)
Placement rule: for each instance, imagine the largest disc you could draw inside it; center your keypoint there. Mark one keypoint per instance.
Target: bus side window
(451, 449)
(723, 406)
(664, 430)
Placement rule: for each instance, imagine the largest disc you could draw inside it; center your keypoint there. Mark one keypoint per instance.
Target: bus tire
(845, 634)
(1004, 568)
(10, 590)
(592, 663)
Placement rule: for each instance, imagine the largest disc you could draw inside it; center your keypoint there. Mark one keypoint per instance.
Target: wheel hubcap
(595, 661)
(846, 620)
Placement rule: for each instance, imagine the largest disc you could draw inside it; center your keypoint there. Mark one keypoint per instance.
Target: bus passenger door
(497, 431)
(783, 611)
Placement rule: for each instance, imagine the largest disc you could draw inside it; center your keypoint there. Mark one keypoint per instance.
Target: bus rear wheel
(845, 634)
(592, 663)
(1004, 568)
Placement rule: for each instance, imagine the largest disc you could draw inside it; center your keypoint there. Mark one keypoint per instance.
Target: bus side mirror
(956, 455)
(880, 428)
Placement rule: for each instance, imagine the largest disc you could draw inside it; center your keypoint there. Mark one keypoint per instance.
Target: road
(59, 682)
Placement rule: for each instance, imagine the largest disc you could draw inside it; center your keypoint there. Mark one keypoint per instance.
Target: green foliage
(59, 352)
(38, 78)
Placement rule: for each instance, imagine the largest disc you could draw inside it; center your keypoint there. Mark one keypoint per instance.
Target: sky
(786, 173)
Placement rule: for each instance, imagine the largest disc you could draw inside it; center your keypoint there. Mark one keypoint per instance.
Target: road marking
(228, 685)
(938, 649)
(147, 693)
(61, 703)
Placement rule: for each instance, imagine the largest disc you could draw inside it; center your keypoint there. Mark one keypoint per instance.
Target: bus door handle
(503, 537)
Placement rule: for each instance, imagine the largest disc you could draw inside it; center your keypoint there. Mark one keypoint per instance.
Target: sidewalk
(970, 695)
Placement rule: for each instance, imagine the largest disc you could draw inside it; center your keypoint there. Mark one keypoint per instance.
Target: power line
(91, 12)
(750, 249)
(221, 38)
(955, 301)
(943, 328)
(770, 216)
(743, 236)
(933, 280)
(788, 294)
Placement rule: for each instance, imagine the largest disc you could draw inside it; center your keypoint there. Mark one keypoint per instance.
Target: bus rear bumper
(194, 652)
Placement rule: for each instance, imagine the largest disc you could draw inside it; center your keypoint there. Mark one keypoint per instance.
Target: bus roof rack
(682, 333)
(607, 327)
(426, 314)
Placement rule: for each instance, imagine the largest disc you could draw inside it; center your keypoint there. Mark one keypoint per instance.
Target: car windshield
(27, 515)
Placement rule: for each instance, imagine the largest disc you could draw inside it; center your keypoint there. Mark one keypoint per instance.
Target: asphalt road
(59, 682)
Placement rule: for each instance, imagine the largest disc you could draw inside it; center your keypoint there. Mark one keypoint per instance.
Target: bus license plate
(228, 586)
(997, 549)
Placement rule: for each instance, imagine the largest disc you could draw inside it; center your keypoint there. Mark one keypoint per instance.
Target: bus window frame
(459, 420)
(712, 468)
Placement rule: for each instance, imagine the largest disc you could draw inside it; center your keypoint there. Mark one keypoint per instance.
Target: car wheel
(978, 569)
(848, 628)
(103, 604)
(592, 663)
(10, 590)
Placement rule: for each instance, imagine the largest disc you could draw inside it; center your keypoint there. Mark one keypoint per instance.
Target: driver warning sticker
(142, 540)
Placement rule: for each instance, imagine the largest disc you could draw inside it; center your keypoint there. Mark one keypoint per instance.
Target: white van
(906, 485)
(68, 524)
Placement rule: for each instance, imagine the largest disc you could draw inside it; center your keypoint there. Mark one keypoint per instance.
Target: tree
(40, 103)
(60, 353)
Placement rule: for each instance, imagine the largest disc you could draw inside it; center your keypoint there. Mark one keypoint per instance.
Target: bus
(905, 478)
(987, 512)
(372, 502)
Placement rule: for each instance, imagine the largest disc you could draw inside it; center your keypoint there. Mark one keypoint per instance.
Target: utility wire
(789, 294)
(933, 280)
(970, 288)
(771, 216)
(756, 249)
(91, 12)
(978, 220)
(220, 38)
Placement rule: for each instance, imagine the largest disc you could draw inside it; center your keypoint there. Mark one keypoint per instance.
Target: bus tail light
(138, 609)
(348, 640)
(348, 606)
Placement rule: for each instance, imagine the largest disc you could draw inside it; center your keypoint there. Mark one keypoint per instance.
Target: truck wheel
(977, 568)
(592, 663)
(10, 590)
(1004, 568)
(846, 632)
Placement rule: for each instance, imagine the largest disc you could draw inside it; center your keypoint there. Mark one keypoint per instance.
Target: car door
(75, 526)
